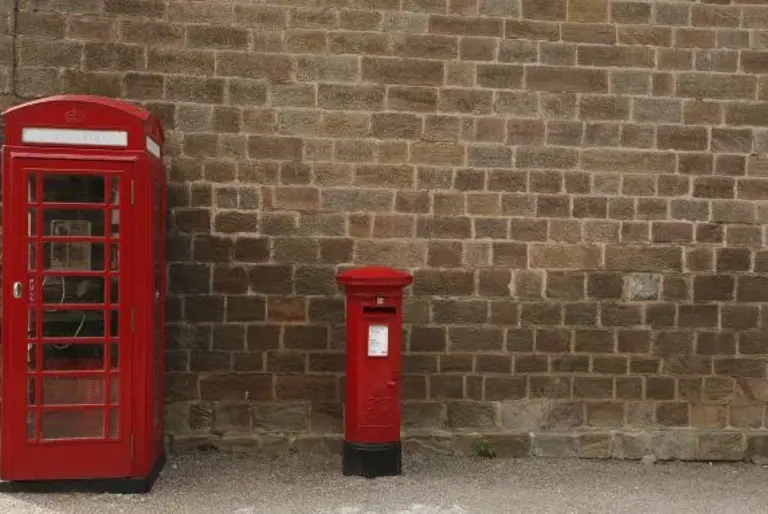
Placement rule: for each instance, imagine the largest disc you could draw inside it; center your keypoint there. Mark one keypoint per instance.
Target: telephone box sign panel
(153, 147)
(74, 137)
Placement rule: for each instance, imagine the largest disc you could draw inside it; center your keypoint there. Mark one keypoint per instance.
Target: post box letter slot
(379, 310)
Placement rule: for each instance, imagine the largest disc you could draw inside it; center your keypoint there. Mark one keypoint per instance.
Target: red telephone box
(374, 355)
(83, 286)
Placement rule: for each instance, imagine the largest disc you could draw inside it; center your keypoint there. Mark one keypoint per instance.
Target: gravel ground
(212, 483)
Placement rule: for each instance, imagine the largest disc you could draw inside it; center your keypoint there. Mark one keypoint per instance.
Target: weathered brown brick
(617, 315)
(682, 138)
(602, 34)
(555, 10)
(651, 208)
(616, 56)
(553, 341)
(740, 367)
(199, 36)
(350, 97)
(557, 79)
(528, 284)
(565, 286)
(628, 161)
(533, 157)
(274, 67)
(466, 26)
(284, 148)
(91, 28)
(358, 20)
(475, 339)
(478, 49)
(437, 282)
(634, 258)
(442, 128)
(752, 289)
(741, 317)
(714, 187)
(590, 207)
(564, 257)
(605, 285)
(419, 99)
(701, 85)
(734, 259)
(671, 232)
(587, 10)
(402, 71)
(662, 84)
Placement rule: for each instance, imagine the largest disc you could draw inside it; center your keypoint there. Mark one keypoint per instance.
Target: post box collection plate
(378, 340)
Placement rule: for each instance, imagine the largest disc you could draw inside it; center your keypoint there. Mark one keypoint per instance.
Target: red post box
(83, 284)
(374, 346)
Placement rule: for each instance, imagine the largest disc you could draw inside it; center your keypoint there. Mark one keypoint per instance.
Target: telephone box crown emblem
(74, 116)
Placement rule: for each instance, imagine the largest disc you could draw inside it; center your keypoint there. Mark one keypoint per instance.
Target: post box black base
(94, 485)
(372, 460)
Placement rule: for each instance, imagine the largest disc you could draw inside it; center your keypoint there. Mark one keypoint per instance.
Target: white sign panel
(153, 147)
(76, 137)
(378, 341)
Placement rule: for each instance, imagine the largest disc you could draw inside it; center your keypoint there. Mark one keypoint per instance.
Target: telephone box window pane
(73, 357)
(69, 188)
(31, 424)
(114, 423)
(62, 289)
(114, 195)
(114, 355)
(114, 223)
(114, 212)
(65, 390)
(68, 323)
(31, 187)
(31, 325)
(32, 222)
(72, 424)
(32, 256)
(114, 257)
(68, 223)
(31, 389)
(74, 256)
(114, 389)
(114, 324)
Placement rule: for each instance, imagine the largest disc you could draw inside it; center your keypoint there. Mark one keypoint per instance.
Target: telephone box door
(67, 411)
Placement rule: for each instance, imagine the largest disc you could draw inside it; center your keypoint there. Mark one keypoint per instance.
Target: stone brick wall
(577, 186)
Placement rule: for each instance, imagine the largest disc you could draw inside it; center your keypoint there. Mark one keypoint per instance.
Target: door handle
(17, 290)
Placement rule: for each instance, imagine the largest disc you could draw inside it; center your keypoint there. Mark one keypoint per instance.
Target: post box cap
(374, 276)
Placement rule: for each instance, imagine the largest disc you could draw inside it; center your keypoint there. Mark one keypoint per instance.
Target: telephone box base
(95, 485)
(371, 460)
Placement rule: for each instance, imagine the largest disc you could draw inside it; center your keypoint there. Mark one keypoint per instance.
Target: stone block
(723, 446)
(466, 414)
(510, 445)
(288, 417)
(673, 444)
(554, 446)
(630, 445)
(433, 443)
(594, 446)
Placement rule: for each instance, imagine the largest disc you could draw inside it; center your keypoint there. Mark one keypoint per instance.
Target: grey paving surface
(300, 484)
